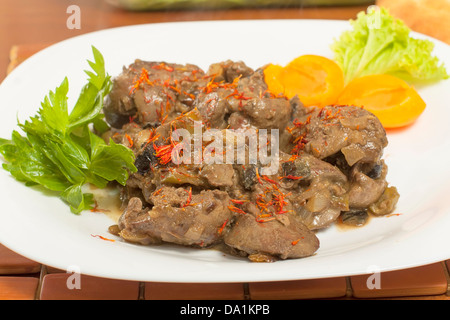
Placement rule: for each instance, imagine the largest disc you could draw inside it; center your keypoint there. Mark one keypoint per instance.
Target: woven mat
(24, 279)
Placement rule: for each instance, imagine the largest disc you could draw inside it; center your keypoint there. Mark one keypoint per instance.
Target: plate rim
(155, 25)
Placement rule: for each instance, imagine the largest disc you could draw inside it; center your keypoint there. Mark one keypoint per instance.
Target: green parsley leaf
(53, 110)
(58, 150)
(77, 200)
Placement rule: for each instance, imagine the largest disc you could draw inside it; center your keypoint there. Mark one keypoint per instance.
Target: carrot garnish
(222, 227)
(157, 192)
(153, 136)
(130, 141)
(257, 176)
(238, 201)
(189, 199)
(163, 66)
(262, 218)
(291, 177)
(236, 209)
(164, 153)
(270, 180)
(97, 209)
(101, 237)
(143, 78)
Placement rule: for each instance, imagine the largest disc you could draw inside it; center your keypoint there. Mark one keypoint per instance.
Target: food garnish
(60, 152)
(381, 44)
(316, 80)
(378, 45)
(392, 100)
(331, 156)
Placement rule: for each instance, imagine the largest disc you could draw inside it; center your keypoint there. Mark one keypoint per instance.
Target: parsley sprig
(60, 151)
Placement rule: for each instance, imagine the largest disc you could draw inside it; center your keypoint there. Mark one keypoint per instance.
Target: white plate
(42, 228)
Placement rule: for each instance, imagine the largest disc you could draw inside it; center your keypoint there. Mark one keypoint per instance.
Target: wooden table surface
(24, 22)
(33, 23)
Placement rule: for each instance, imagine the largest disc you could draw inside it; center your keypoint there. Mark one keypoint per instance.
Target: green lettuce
(380, 44)
(60, 152)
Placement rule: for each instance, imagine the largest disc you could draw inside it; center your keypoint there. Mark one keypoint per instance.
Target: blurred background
(27, 26)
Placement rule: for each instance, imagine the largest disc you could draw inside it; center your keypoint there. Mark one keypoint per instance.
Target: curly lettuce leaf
(380, 44)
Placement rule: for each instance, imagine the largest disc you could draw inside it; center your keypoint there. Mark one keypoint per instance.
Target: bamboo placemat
(24, 279)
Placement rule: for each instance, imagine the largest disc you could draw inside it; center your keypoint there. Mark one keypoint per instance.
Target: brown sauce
(347, 227)
(107, 201)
